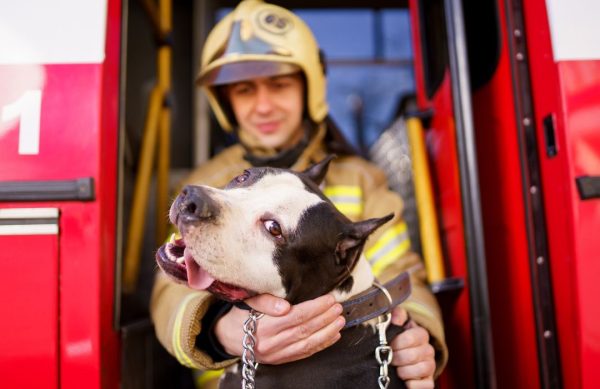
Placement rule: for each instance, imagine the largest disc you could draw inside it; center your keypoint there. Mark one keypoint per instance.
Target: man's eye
(242, 177)
(273, 227)
(241, 89)
(280, 84)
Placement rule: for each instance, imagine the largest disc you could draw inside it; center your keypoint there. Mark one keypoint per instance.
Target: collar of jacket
(297, 157)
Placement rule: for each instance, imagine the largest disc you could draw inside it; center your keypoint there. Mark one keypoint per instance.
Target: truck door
(533, 88)
(444, 94)
(58, 168)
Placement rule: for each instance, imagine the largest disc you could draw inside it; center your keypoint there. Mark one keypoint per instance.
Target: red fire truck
(508, 108)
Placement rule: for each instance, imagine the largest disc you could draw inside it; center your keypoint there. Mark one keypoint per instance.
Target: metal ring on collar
(385, 292)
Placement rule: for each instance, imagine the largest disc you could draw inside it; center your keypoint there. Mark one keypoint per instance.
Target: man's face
(270, 108)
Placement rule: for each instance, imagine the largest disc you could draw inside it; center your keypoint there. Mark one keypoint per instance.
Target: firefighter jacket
(360, 191)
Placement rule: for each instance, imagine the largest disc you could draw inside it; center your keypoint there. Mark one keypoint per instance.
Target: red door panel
(29, 298)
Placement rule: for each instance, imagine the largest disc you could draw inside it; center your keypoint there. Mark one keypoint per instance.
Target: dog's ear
(350, 246)
(318, 171)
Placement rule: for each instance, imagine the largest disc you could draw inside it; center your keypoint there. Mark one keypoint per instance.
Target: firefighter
(265, 80)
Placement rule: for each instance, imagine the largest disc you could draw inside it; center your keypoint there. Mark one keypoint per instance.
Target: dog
(273, 231)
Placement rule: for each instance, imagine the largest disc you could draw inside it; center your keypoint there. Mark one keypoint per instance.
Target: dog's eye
(242, 177)
(273, 227)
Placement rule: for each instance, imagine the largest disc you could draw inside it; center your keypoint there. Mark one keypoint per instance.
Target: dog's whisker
(357, 341)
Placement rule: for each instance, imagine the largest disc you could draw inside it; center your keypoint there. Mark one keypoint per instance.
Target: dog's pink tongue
(198, 278)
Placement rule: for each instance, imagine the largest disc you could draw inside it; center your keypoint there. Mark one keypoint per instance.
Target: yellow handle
(140, 192)
(164, 133)
(428, 224)
(157, 129)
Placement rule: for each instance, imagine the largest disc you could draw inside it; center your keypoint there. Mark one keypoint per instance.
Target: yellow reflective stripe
(348, 209)
(391, 245)
(391, 234)
(418, 308)
(176, 341)
(390, 257)
(346, 198)
(343, 190)
(207, 376)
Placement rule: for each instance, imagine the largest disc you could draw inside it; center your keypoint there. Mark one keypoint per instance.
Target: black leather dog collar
(373, 301)
(370, 303)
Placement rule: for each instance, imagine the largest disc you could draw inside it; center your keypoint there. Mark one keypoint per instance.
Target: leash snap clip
(383, 352)
(382, 326)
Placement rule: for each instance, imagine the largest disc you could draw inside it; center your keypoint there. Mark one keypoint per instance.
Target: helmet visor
(245, 70)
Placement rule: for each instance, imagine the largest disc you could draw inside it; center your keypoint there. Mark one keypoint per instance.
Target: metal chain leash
(383, 352)
(249, 364)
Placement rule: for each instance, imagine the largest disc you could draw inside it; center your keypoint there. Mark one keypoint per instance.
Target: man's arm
(177, 313)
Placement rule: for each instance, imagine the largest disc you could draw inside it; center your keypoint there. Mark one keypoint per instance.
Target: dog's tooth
(172, 239)
(170, 255)
(180, 260)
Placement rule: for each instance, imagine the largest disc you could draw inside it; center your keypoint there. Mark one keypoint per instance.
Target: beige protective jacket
(360, 191)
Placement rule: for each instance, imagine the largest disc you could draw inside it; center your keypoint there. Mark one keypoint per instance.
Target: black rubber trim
(448, 285)
(548, 351)
(588, 186)
(423, 114)
(550, 135)
(28, 222)
(477, 278)
(81, 189)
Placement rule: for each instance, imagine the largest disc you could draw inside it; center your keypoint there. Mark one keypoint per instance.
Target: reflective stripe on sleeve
(413, 306)
(390, 246)
(208, 376)
(182, 357)
(346, 198)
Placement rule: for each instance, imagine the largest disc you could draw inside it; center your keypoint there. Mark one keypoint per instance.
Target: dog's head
(269, 231)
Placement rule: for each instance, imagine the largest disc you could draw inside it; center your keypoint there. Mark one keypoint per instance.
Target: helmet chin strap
(282, 159)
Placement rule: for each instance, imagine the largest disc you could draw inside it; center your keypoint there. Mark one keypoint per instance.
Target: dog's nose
(195, 205)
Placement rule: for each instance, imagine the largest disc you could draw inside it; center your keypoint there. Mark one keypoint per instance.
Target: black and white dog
(273, 231)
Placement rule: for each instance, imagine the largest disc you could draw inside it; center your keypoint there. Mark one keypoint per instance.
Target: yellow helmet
(261, 40)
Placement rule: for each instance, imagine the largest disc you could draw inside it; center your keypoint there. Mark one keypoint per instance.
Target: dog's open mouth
(175, 260)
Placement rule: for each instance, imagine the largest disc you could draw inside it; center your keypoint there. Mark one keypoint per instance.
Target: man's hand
(286, 333)
(414, 357)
